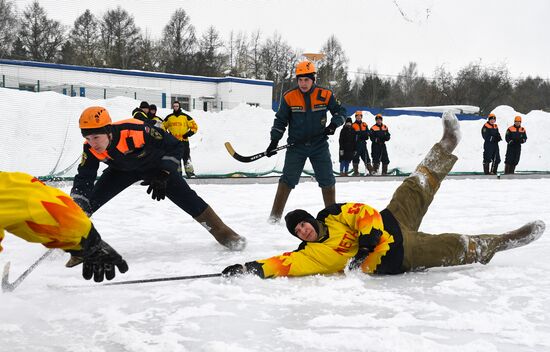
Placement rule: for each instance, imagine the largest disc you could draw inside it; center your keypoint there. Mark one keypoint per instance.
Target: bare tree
(85, 40)
(8, 27)
(147, 53)
(237, 53)
(178, 43)
(332, 71)
(278, 62)
(119, 38)
(483, 87)
(40, 37)
(255, 54)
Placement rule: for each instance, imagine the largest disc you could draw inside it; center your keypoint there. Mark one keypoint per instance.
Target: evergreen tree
(209, 60)
(40, 37)
(85, 40)
(119, 39)
(178, 44)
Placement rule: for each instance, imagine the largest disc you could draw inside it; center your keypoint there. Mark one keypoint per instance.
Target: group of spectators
(354, 135)
(515, 136)
(178, 123)
(353, 145)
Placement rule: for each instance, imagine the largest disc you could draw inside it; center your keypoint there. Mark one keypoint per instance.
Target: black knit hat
(144, 105)
(152, 107)
(100, 130)
(348, 119)
(309, 75)
(293, 218)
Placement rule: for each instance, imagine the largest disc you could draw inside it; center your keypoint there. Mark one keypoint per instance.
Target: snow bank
(41, 136)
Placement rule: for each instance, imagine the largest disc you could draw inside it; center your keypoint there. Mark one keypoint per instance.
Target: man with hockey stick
(135, 151)
(42, 214)
(387, 242)
(304, 110)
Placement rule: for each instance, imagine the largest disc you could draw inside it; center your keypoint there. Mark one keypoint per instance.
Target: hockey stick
(9, 287)
(247, 159)
(173, 278)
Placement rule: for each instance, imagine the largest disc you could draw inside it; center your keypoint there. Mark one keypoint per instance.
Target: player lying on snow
(39, 213)
(134, 151)
(387, 242)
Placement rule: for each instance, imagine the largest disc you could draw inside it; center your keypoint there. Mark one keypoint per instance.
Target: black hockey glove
(270, 151)
(83, 202)
(100, 259)
(157, 184)
(234, 270)
(188, 134)
(330, 129)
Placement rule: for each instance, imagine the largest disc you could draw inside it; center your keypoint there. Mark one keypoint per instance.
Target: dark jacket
(139, 114)
(515, 135)
(135, 146)
(305, 114)
(347, 142)
(490, 133)
(379, 134)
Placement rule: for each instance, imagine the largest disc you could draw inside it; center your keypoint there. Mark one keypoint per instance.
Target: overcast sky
(382, 35)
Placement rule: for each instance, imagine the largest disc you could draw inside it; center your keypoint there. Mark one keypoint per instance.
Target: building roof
(116, 71)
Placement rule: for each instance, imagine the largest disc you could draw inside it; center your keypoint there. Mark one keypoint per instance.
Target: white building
(193, 92)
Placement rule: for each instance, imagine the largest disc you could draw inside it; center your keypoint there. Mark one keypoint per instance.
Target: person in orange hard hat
(515, 136)
(361, 136)
(135, 151)
(43, 214)
(379, 135)
(304, 111)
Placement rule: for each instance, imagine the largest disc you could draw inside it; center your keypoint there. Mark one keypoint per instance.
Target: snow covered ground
(502, 306)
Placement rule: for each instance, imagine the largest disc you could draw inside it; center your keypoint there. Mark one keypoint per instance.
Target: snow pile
(41, 136)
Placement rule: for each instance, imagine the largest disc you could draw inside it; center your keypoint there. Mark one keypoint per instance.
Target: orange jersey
(39, 213)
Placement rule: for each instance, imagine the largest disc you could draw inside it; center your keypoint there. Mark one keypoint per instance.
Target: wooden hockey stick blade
(174, 278)
(9, 287)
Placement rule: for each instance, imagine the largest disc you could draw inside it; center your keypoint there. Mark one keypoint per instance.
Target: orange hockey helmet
(517, 119)
(305, 68)
(94, 120)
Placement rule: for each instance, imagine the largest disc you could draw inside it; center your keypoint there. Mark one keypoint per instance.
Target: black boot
(486, 169)
(494, 168)
(375, 167)
(507, 169)
(355, 169)
(384, 169)
(369, 169)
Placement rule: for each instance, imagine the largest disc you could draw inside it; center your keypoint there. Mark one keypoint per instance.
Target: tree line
(115, 40)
